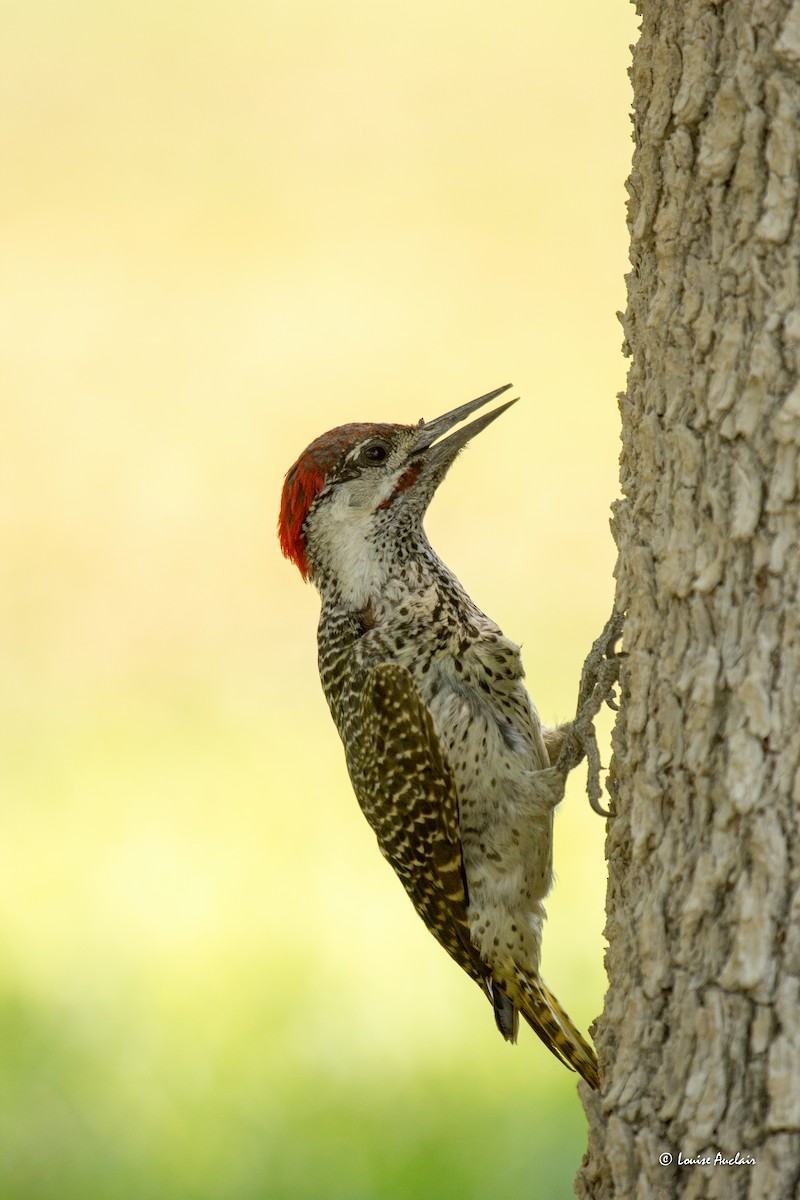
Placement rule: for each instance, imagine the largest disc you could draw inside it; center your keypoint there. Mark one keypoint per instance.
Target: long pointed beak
(444, 451)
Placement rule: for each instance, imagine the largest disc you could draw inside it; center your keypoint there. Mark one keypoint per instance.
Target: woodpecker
(450, 763)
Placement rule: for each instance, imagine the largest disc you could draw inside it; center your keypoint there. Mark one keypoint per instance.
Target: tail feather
(505, 1014)
(550, 1022)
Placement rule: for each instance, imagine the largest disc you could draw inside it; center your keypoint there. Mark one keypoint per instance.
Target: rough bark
(699, 1041)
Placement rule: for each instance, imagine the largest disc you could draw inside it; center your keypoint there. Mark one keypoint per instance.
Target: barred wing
(408, 794)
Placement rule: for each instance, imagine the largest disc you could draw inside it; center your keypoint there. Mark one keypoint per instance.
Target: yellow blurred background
(225, 229)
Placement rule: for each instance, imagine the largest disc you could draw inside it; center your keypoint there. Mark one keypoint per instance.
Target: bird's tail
(548, 1021)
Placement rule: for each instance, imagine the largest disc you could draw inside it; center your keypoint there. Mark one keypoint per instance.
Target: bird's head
(359, 488)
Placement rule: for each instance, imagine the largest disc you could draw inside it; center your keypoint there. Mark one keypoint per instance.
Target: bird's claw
(600, 674)
(601, 669)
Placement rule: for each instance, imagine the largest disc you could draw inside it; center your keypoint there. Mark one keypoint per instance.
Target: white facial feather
(342, 544)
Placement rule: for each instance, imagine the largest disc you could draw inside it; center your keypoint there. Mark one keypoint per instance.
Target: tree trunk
(699, 1042)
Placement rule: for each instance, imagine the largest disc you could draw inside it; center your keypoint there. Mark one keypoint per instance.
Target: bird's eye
(375, 452)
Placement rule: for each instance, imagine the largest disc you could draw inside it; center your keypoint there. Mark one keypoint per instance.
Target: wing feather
(418, 831)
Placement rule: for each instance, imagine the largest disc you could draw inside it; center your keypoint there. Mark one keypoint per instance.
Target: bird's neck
(361, 573)
(402, 589)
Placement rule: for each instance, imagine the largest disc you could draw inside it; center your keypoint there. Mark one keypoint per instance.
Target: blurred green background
(226, 228)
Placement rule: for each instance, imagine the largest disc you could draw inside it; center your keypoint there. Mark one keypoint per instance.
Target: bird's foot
(600, 674)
